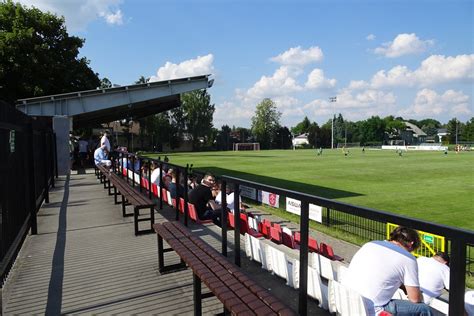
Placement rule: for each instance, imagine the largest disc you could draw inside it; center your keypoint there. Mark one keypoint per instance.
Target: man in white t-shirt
(155, 174)
(433, 274)
(105, 141)
(379, 268)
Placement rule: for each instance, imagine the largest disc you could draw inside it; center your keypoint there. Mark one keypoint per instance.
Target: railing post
(224, 217)
(457, 281)
(177, 194)
(55, 155)
(161, 185)
(304, 231)
(328, 214)
(133, 170)
(237, 225)
(45, 168)
(185, 197)
(150, 193)
(139, 174)
(30, 180)
(51, 160)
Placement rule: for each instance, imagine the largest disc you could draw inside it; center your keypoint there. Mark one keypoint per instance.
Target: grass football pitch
(426, 185)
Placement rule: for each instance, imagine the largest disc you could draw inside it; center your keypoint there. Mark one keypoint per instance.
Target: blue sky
(405, 58)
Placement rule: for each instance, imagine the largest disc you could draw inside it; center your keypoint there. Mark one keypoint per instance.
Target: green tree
(314, 135)
(301, 127)
(430, 126)
(372, 130)
(339, 130)
(468, 131)
(265, 122)
(37, 55)
(224, 139)
(105, 83)
(198, 115)
(454, 127)
(282, 138)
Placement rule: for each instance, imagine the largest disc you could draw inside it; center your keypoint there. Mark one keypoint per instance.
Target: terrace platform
(86, 260)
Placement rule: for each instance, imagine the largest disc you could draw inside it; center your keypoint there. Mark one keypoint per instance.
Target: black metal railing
(27, 169)
(365, 222)
(460, 240)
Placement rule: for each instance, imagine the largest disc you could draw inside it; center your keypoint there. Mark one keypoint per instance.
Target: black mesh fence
(27, 168)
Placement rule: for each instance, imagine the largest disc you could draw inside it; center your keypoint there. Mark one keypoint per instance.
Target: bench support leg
(197, 295)
(161, 260)
(152, 218)
(136, 213)
(115, 195)
(123, 206)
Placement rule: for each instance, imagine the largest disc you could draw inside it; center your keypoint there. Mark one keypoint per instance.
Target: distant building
(301, 140)
(442, 134)
(412, 135)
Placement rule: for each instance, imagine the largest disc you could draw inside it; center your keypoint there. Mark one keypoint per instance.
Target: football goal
(246, 146)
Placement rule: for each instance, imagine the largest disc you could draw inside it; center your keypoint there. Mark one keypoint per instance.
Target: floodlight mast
(332, 100)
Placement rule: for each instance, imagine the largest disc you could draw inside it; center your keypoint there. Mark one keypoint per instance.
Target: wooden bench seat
(130, 196)
(239, 294)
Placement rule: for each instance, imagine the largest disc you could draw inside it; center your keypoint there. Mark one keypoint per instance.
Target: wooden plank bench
(130, 196)
(239, 294)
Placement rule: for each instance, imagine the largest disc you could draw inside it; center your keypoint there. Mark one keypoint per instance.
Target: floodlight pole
(332, 100)
(456, 131)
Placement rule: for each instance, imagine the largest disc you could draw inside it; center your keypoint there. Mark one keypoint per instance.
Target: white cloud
(404, 44)
(296, 56)
(280, 83)
(229, 113)
(429, 103)
(370, 37)
(316, 80)
(435, 69)
(358, 85)
(79, 13)
(202, 65)
(397, 76)
(113, 18)
(354, 106)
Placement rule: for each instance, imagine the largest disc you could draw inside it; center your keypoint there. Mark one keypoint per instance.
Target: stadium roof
(106, 105)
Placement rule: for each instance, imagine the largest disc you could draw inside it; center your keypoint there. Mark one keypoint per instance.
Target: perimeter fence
(27, 170)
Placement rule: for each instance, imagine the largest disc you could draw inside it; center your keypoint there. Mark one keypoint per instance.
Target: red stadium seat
(181, 205)
(243, 222)
(164, 194)
(265, 228)
(275, 235)
(288, 240)
(154, 189)
(327, 251)
(194, 215)
(313, 245)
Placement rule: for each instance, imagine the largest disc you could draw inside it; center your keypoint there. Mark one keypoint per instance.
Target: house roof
(105, 105)
(415, 129)
(305, 135)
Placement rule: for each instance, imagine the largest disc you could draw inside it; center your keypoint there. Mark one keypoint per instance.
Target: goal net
(246, 146)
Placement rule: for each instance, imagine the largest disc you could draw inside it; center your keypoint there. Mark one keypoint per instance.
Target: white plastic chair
(344, 301)
(315, 287)
(323, 265)
(441, 306)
